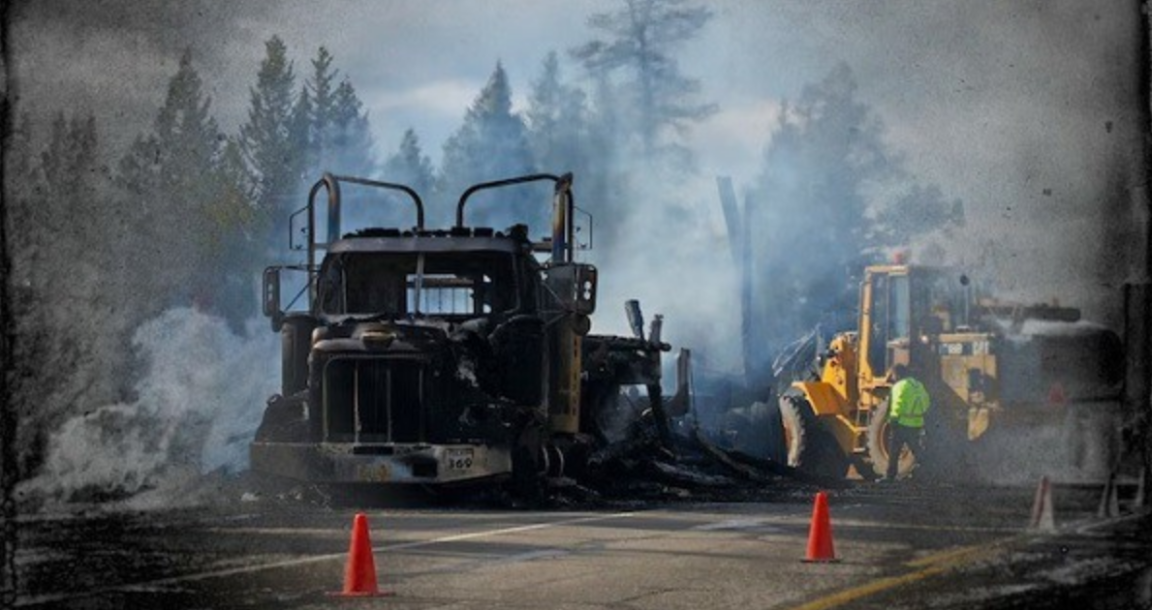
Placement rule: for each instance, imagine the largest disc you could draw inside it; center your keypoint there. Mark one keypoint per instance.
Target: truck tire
(296, 343)
(878, 444)
(811, 448)
(528, 469)
(283, 420)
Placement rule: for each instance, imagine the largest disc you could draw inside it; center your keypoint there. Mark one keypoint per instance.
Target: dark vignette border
(8, 416)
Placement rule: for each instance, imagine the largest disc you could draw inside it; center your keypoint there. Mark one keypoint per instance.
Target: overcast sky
(1027, 111)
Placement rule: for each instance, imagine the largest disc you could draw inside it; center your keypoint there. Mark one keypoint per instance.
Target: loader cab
(902, 308)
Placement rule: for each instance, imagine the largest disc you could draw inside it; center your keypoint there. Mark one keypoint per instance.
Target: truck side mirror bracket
(585, 288)
(271, 297)
(574, 286)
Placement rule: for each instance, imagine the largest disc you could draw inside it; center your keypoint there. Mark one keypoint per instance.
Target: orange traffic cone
(360, 571)
(1043, 513)
(820, 533)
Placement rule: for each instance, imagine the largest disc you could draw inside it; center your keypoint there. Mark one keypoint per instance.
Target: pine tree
(169, 174)
(67, 191)
(492, 144)
(351, 136)
(566, 136)
(916, 211)
(273, 156)
(70, 159)
(816, 201)
(232, 213)
(63, 366)
(188, 136)
(322, 105)
(300, 129)
(544, 107)
(410, 166)
(338, 137)
(236, 240)
(641, 39)
(557, 120)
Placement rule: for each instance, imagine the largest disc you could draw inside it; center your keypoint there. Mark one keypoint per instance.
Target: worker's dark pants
(898, 437)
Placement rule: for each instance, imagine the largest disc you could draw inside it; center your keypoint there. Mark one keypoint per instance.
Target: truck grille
(374, 400)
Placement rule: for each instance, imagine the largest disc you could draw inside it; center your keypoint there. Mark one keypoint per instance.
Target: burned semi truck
(442, 357)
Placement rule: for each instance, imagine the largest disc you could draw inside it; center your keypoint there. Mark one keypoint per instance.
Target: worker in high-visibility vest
(907, 404)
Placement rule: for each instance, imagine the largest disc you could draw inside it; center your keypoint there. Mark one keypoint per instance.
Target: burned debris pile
(688, 466)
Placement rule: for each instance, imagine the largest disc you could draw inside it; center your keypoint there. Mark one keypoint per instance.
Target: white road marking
(152, 585)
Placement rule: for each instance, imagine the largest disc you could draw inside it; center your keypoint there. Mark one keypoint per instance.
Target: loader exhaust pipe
(563, 237)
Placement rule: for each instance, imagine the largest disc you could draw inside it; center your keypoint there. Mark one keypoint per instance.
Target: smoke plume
(196, 408)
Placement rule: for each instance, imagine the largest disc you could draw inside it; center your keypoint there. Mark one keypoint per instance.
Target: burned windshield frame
(454, 284)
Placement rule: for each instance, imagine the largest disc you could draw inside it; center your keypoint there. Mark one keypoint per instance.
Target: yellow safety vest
(908, 403)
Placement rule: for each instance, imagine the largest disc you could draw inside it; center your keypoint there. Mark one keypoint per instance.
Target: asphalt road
(898, 547)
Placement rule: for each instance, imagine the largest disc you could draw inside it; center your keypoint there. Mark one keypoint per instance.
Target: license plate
(377, 473)
(460, 459)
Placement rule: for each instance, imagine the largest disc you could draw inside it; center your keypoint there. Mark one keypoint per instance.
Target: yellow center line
(864, 524)
(929, 566)
(934, 528)
(957, 556)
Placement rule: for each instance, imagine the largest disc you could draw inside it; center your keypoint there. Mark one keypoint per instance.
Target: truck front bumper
(380, 462)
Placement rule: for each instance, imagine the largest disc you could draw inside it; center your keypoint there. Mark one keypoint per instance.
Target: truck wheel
(811, 449)
(878, 444)
(528, 468)
(283, 420)
(296, 343)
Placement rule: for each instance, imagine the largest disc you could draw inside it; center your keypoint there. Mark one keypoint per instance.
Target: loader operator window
(891, 319)
(394, 284)
(941, 301)
(899, 309)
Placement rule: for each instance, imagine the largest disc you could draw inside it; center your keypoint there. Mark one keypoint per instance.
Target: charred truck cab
(439, 356)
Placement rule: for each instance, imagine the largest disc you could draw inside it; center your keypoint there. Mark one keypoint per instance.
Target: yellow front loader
(987, 365)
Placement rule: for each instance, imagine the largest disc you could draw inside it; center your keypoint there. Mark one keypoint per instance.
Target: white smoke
(196, 408)
(674, 258)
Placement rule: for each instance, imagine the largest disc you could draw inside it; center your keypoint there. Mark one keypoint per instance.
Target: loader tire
(811, 448)
(878, 445)
(772, 422)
